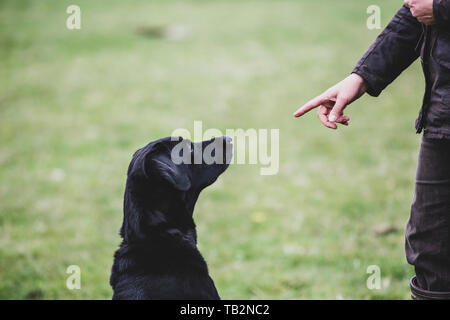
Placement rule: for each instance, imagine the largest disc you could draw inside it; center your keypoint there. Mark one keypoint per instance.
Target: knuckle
(344, 98)
(327, 94)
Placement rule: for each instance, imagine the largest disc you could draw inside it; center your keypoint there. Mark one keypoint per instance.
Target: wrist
(362, 84)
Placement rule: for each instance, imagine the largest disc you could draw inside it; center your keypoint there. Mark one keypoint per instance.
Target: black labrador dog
(158, 257)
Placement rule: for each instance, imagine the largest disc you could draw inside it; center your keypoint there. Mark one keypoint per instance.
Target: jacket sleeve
(392, 52)
(441, 12)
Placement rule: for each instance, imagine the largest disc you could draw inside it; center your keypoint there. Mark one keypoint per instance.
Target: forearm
(393, 51)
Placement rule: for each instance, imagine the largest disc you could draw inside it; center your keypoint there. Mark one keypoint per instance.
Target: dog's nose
(228, 147)
(228, 139)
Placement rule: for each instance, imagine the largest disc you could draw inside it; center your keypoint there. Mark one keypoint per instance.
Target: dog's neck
(164, 237)
(149, 221)
(188, 237)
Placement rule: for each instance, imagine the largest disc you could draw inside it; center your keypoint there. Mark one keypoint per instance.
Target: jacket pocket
(441, 49)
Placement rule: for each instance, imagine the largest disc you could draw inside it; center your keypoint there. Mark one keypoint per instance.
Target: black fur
(158, 257)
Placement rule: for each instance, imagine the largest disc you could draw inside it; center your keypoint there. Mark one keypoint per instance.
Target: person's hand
(422, 10)
(332, 102)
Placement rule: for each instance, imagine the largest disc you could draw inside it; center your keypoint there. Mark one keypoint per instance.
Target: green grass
(75, 105)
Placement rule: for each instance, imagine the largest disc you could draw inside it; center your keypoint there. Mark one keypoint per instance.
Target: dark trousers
(428, 229)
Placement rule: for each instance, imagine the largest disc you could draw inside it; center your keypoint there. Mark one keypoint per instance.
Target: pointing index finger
(314, 103)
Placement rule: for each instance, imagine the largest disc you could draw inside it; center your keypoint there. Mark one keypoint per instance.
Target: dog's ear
(158, 163)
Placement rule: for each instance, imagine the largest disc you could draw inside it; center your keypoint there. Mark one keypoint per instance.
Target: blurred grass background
(75, 105)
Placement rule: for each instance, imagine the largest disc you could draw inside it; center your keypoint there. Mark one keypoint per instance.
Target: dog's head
(164, 180)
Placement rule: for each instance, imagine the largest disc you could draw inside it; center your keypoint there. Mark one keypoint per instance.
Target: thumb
(338, 109)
